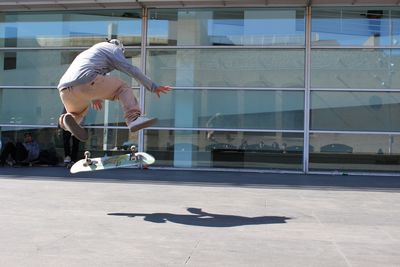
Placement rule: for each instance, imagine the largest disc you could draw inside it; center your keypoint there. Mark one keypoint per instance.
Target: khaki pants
(77, 99)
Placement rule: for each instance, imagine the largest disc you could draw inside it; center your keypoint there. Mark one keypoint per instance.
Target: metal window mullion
(28, 125)
(143, 60)
(62, 48)
(354, 132)
(377, 90)
(35, 87)
(360, 173)
(27, 87)
(190, 129)
(222, 47)
(234, 89)
(307, 92)
(396, 133)
(227, 129)
(390, 27)
(356, 47)
(236, 170)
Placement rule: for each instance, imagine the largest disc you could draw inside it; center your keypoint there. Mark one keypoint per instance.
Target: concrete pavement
(132, 217)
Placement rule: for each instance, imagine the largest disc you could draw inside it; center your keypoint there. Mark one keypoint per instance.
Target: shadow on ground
(205, 219)
(209, 178)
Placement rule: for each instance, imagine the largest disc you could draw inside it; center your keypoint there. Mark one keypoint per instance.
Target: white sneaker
(140, 123)
(67, 159)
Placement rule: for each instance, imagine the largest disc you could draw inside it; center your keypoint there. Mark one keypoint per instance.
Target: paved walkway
(175, 218)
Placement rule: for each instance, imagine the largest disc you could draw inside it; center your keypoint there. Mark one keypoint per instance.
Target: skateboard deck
(102, 163)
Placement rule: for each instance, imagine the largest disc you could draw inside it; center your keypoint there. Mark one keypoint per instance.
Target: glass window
(46, 67)
(44, 106)
(49, 139)
(395, 26)
(110, 141)
(225, 149)
(355, 152)
(355, 68)
(263, 68)
(226, 27)
(228, 109)
(69, 28)
(355, 111)
(133, 56)
(100, 142)
(30, 106)
(358, 26)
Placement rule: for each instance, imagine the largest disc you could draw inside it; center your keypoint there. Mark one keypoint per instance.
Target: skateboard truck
(88, 161)
(132, 155)
(137, 158)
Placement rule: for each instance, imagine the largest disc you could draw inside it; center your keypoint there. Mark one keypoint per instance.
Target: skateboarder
(85, 82)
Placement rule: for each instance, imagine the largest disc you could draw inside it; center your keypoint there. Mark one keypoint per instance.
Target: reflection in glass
(225, 149)
(46, 67)
(48, 138)
(355, 111)
(110, 141)
(69, 28)
(30, 106)
(43, 107)
(354, 26)
(355, 68)
(355, 152)
(101, 141)
(395, 26)
(231, 26)
(133, 57)
(228, 109)
(262, 68)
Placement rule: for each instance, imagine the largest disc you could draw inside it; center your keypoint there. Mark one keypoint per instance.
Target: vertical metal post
(307, 93)
(143, 58)
(111, 34)
(106, 122)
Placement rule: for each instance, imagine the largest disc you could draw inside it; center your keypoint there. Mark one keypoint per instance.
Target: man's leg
(21, 154)
(113, 88)
(9, 149)
(77, 105)
(75, 102)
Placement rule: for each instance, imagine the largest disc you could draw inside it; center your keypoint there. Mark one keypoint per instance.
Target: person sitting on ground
(21, 152)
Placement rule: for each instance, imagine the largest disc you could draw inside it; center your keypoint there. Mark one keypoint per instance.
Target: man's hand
(162, 89)
(97, 104)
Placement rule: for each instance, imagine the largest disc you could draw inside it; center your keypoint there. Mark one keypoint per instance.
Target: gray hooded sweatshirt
(101, 59)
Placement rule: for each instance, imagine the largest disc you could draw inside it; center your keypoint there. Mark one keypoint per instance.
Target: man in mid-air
(85, 83)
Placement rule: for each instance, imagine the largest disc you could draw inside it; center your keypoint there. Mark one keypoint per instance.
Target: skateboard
(132, 159)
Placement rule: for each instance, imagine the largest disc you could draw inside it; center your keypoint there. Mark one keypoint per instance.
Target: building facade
(282, 86)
